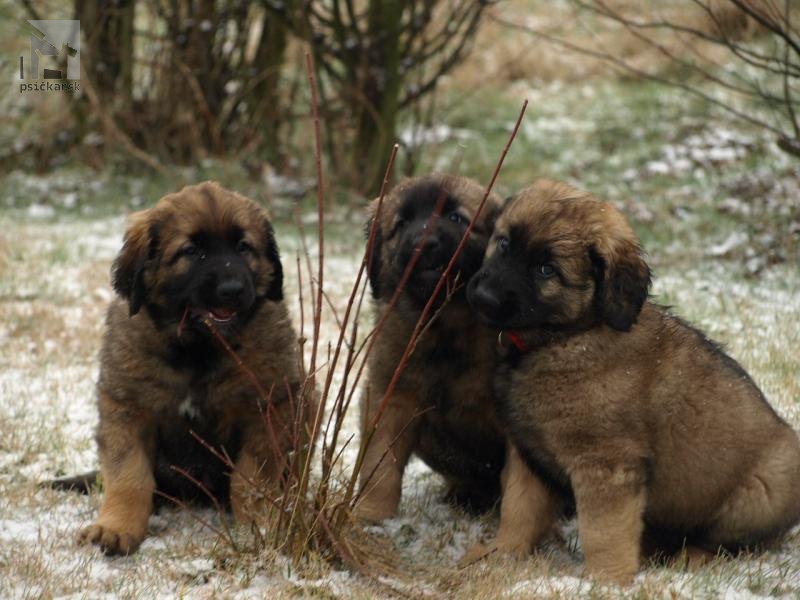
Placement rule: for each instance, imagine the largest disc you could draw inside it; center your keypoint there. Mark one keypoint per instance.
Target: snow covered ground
(53, 292)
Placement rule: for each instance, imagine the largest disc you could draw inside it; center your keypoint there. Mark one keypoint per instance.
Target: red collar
(517, 341)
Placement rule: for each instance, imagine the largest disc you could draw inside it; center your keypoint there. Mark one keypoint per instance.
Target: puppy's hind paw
(477, 553)
(110, 541)
(373, 512)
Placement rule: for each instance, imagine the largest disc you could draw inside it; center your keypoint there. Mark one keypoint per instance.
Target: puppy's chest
(452, 374)
(553, 401)
(203, 405)
(536, 422)
(195, 407)
(446, 355)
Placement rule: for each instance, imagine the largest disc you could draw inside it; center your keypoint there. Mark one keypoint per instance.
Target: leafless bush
(377, 59)
(181, 80)
(178, 81)
(733, 54)
(313, 515)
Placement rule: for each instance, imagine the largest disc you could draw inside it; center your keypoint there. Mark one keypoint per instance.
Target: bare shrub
(733, 54)
(312, 519)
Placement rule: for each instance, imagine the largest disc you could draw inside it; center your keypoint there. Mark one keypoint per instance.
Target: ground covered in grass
(53, 295)
(716, 204)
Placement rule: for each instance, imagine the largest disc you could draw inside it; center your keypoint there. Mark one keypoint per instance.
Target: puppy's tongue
(222, 314)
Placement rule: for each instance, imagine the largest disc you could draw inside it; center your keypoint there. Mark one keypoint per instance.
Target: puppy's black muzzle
(223, 288)
(230, 290)
(435, 250)
(489, 299)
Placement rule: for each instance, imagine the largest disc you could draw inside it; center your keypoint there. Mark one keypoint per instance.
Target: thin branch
(787, 89)
(32, 12)
(359, 276)
(768, 24)
(112, 130)
(748, 55)
(753, 90)
(310, 383)
(423, 320)
(447, 271)
(223, 535)
(749, 118)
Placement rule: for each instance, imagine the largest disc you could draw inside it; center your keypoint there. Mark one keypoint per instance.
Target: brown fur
(442, 406)
(618, 406)
(159, 379)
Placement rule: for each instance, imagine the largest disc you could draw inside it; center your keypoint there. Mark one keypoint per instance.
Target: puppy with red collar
(615, 406)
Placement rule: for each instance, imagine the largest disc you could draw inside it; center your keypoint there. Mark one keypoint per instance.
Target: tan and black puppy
(203, 257)
(613, 404)
(442, 407)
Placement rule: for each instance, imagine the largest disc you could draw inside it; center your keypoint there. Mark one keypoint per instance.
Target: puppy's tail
(82, 483)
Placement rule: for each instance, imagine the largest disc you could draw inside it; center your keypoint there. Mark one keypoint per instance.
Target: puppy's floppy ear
(127, 273)
(622, 280)
(275, 290)
(491, 212)
(374, 251)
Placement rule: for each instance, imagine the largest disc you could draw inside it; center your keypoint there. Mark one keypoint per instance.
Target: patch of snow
(564, 584)
(290, 187)
(658, 167)
(414, 137)
(15, 531)
(41, 211)
(732, 242)
(336, 581)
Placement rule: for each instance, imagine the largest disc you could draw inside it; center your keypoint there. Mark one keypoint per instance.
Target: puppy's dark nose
(230, 289)
(485, 300)
(428, 244)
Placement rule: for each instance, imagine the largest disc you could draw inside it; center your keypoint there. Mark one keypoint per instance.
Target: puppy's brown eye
(244, 247)
(545, 270)
(398, 226)
(456, 218)
(190, 251)
(503, 244)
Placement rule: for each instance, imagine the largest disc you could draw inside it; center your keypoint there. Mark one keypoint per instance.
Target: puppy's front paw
(495, 547)
(112, 541)
(621, 575)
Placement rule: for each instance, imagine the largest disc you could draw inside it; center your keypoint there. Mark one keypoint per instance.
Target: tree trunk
(380, 89)
(265, 93)
(106, 56)
(107, 47)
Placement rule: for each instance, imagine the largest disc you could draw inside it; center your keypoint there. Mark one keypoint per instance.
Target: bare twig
(627, 67)
(31, 10)
(357, 284)
(781, 59)
(423, 318)
(112, 130)
(310, 383)
(266, 404)
(787, 88)
(223, 535)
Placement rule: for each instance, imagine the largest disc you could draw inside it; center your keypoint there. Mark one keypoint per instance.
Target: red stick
(426, 311)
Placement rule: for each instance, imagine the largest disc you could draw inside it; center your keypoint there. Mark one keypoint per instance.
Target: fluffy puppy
(199, 259)
(442, 407)
(614, 404)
